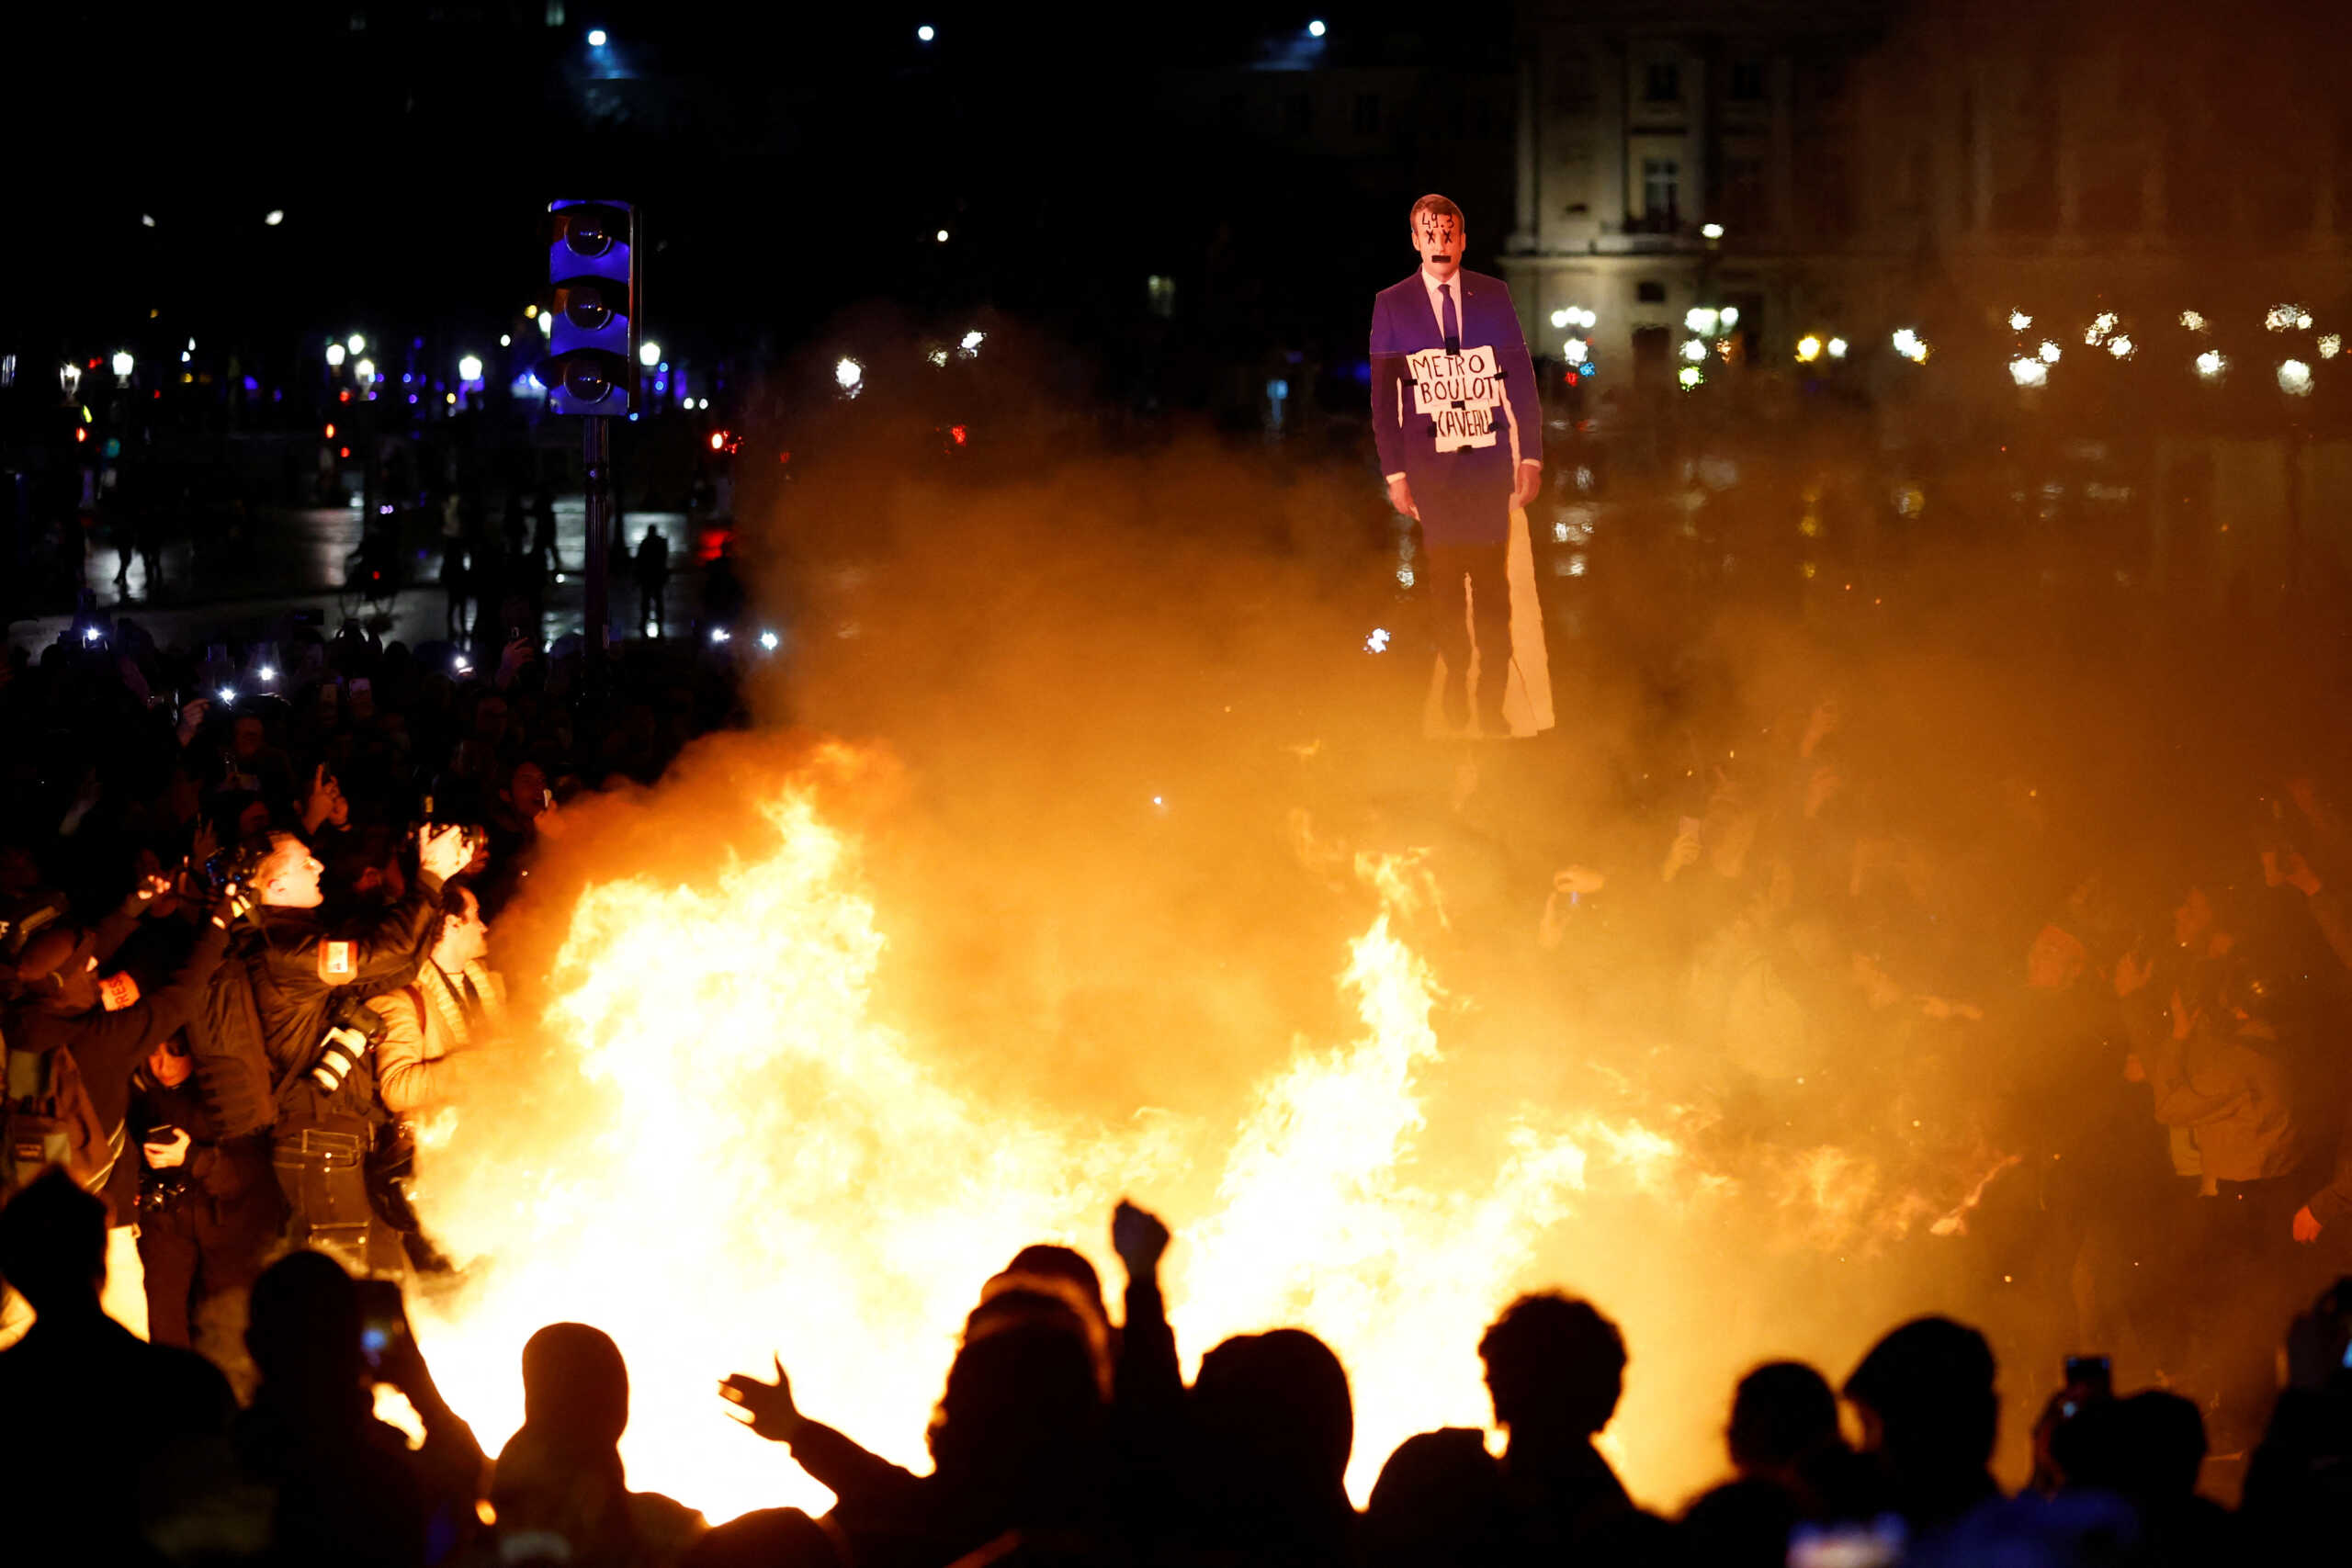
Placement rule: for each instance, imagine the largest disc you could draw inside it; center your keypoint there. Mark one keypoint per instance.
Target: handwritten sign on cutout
(1458, 393)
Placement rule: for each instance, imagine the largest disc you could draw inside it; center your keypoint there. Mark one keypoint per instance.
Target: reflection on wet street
(266, 563)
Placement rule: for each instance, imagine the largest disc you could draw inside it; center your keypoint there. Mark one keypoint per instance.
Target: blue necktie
(1452, 322)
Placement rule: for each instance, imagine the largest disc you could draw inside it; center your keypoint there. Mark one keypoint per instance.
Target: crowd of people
(244, 895)
(247, 894)
(1062, 1437)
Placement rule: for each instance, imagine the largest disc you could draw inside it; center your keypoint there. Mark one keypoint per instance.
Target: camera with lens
(440, 812)
(225, 866)
(354, 1029)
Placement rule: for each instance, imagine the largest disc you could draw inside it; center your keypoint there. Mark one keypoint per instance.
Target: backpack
(226, 1048)
(49, 1120)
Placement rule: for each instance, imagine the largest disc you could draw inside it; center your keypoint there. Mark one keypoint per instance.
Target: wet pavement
(299, 560)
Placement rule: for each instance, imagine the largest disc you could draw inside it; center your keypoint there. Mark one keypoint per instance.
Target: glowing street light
(1700, 319)
(2029, 372)
(649, 354)
(366, 373)
(356, 344)
(2331, 346)
(2050, 351)
(1559, 318)
(768, 641)
(595, 38)
(971, 343)
(2194, 320)
(1575, 350)
(1911, 346)
(2211, 364)
(925, 33)
(1837, 346)
(1730, 315)
(1808, 349)
(847, 374)
(337, 355)
(69, 377)
(2295, 378)
(274, 216)
(941, 236)
(1711, 231)
(123, 365)
(2020, 321)
(2120, 346)
(1316, 28)
(1690, 377)
(469, 369)
(1694, 350)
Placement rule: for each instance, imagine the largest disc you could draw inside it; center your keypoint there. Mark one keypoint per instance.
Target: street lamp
(469, 369)
(358, 344)
(337, 355)
(595, 38)
(123, 363)
(69, 377)
(649, 354)
(365, 372)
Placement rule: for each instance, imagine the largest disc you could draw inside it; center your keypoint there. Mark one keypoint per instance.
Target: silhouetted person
(1276, 1426)
(345, 1487)
(1930, 1412)
(1786, 1451)
(2299, 1484)
(110, 1432)
(1017, 1443)
(1439, 1504)
(652, 572)
(543, 540)
(559, 1478)
(2148, 1449)
(1556, 1369)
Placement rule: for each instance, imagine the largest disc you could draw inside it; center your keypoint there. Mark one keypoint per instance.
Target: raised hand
(1138, 1237)
(765, 1407)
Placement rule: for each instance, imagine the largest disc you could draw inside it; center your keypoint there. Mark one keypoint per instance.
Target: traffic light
(592, 283)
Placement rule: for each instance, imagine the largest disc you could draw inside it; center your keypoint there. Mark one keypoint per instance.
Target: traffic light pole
(596, 446)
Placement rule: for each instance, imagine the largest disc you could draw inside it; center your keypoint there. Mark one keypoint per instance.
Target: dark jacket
(298, 965)
(107, 1045)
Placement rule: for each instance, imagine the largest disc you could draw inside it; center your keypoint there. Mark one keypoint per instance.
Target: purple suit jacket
(1404, 327)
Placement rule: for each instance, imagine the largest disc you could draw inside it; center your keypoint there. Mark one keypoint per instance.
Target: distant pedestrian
(543, 529)
(652, 577)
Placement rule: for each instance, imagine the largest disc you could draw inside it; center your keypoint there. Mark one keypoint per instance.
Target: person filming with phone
(310, 986)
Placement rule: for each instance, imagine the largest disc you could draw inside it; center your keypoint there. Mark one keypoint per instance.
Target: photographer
(89, 1031)
(309, 987)
(208, 1211)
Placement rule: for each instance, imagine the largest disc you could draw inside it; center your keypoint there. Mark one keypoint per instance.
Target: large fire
(716, 1152)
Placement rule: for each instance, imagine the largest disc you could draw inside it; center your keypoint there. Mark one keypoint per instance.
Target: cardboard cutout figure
(1461, 436)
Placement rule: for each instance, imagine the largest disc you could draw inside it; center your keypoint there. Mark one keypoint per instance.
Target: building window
(1663, 84)
(1159, 295)
(1661, 188)
(1367, 114)
(1298, 113)
(1748, 194)
(1650, 292)
(1747, 80)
